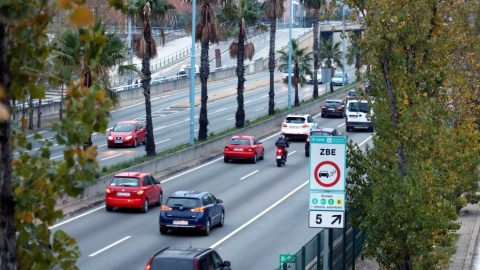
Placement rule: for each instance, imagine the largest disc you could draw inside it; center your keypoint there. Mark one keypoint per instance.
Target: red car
(133, 190)
(244, 147)
(127, 133)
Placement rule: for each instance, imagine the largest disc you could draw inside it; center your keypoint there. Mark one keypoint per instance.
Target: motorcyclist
(283, 143)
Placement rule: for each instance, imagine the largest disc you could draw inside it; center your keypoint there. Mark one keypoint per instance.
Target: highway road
(266, 213)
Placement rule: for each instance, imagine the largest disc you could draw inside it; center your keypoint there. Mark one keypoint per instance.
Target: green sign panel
(290, 260)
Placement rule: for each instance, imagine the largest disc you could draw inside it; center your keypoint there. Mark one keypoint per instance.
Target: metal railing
(345, 245)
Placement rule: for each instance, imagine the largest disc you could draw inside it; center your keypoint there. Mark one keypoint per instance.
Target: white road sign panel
(327, 201)
(326, 219)
(327, 163)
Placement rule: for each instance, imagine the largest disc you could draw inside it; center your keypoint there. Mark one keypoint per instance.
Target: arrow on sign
(337, 217)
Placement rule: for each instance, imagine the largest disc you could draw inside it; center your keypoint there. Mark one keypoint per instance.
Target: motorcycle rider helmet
(282, 136)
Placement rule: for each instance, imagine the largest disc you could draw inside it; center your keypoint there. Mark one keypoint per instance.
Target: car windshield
(125, 182)
(295, 120)
(185, 202)
(123, 128)
(359, 107)
(239, 142)
(320, 133)
(338, 75)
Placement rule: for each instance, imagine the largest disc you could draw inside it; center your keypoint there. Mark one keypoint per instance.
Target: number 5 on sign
(326, 219)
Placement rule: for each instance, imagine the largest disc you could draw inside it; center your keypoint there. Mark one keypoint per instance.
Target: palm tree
(112, 55)
(353, 56)
(206, 32)
(333, 54)
(301, 59)
(273, 10)
(146, 50)
(236, 17)
(314, 5)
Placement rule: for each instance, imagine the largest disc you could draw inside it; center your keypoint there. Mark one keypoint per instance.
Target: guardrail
(345, 245)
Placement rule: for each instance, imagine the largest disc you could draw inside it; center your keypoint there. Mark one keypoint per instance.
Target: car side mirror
(219, 201)
(226, 264)
(157, 182)
(111, 129)
(260, 143)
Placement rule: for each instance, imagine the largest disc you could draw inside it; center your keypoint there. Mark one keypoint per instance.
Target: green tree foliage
(30, 181)
(236, 18)
(301, 59)
(332, 52)
(408, 188)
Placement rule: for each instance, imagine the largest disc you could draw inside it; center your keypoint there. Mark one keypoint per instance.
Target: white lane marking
(250, 174)
(291, 153)
(40, 132)
(194, 169)
(162, 141)
(56, 157)
(280, 101)
(79, 216)
(258, 216)
(231, 118)
(109, 246)
(365, 140)
(341, 125)
(258, 109)
(111, 156)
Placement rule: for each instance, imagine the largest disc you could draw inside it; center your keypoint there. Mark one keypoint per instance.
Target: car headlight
(110, 138)
(128, 138)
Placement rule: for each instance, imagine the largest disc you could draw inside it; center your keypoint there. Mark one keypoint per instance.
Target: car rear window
(160, 263)
(295, 120)
(359, 107)
(333, 103)
(185, 202)
(239, 142)
(320, 133)
(123, 128)
(125, 182)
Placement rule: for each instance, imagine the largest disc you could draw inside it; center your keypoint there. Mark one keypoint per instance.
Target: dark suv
(321, 131)
(334, 107)
(187, 259)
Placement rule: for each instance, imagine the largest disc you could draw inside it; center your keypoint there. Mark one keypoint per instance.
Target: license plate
(180, 222)
(353, 116)
(123, 193)
(237, 149)
(331, 109)
(119, 142)
(279, 157)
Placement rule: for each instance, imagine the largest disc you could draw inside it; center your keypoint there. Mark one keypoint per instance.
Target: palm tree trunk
(315, 53)
(150, 144)
(240, 114)
(271, 67)
(30, 113)
(204, 73)
(39, 113)
(8, 256)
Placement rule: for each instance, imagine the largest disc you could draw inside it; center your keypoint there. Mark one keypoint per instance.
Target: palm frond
(153, 48)
(233, 49)
(206, 33)
(189, 27)
(141, 48)
(249, 50)
(162, 34)
(198, 32)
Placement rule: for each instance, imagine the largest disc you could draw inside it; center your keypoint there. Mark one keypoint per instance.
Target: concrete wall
(172, 162)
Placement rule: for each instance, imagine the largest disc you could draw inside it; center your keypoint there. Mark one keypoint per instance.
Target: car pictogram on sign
(323, 173)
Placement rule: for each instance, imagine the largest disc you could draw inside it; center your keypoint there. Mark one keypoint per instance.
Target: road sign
(327, 163)
(326, 219)
(327, 201)
(450, 106)
(289, 259)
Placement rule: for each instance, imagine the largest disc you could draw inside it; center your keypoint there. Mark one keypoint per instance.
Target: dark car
(334, 107)
(368, 87)
(322, 131)
(187, 259)
(354, 95)
(196, 210)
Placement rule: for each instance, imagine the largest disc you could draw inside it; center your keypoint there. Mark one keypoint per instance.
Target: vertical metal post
(319, 250)
(290, 58)
(192, 77)
(354, 248)
(343, 48)
(304, 252)
(325, 249)
(330, 249)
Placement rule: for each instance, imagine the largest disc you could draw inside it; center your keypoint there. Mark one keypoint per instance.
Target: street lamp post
(343, 48)
(290, 59)
(192, 77)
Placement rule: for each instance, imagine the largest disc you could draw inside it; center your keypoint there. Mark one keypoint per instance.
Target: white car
(319, 77)
(359, 115)
(339, 77)
(298, 125)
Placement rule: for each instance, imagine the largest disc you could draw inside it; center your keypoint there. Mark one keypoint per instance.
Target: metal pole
(130, 52)
(290, 59)
(325, 249)
(343, 48)
(192, 77)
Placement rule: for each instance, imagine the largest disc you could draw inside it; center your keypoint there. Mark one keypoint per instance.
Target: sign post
(290, 260)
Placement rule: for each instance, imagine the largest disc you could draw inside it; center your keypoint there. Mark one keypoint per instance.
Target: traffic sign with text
(327, 201)
(327, 163)
(326, 219)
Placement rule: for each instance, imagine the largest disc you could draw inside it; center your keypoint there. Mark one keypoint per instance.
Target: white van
(358, 115)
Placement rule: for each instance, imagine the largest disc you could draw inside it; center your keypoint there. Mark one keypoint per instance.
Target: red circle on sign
(315, 174)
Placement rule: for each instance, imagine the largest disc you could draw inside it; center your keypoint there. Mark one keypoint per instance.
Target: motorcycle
(281, 156)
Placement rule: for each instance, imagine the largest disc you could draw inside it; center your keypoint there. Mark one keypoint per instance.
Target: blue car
(191, 210)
